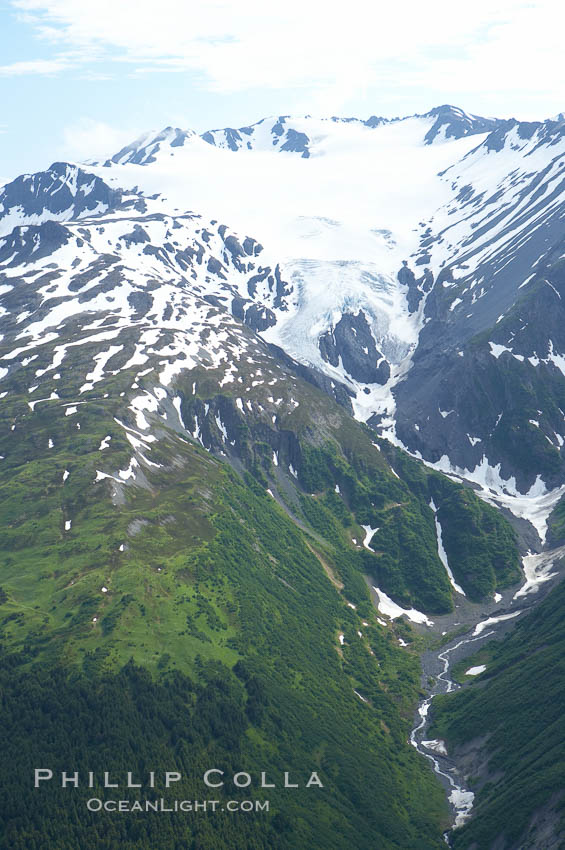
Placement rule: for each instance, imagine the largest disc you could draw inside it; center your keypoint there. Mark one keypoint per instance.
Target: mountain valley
(283, 412)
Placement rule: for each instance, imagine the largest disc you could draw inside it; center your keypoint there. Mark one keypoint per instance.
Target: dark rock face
(256, 316)
(136, 237)
(416, 288)
(232, 138)
(259, 318)
(275, 283)
(501, 394)
(334, 389)
(352, 340)
(457, 123)
(36, 241)
(296, 142)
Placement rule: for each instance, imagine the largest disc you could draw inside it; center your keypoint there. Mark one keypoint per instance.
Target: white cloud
(34, 66)
(332, 51)
(89, 139)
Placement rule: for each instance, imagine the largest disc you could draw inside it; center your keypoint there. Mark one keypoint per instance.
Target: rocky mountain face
(222, 359)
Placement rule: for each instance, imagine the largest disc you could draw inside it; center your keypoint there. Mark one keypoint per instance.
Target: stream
(436, 665)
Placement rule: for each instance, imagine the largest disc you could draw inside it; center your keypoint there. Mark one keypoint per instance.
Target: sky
(81, 78)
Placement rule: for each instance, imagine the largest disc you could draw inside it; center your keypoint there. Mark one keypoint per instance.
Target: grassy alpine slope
(223, 605)
(159, 607)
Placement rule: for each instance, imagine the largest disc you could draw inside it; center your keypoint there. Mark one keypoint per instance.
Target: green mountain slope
(182, 587)
(507, 727)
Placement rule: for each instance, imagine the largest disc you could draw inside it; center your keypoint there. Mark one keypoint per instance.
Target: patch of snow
(538, 569)
(492, 621)
(476, 671)
(436, 745)
(368, 535)
(442, 553)
(391, 609)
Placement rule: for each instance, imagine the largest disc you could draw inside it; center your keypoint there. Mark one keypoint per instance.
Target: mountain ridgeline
(219, 436)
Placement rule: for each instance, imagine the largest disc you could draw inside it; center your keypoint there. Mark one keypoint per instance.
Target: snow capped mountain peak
(301, 134)
(372, 252)
(144, 149)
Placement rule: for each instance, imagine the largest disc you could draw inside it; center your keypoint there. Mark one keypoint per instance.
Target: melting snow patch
(50, 443)
(361, 697)
(100, 476)
(139, 404)
(496, 350)
(537, 570)
(442, 553)
(70, 410)
(342, 639)
(128, 473)
(475, 671)
(368, 535)
(497, 597)
(68, 525)
(65, 474)
(391, 609)
(492, 621)
(104, 589)
(176, 405)
(98, 372)
(104, 444)
(436, 745)
(221, 427)
(534, 506)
